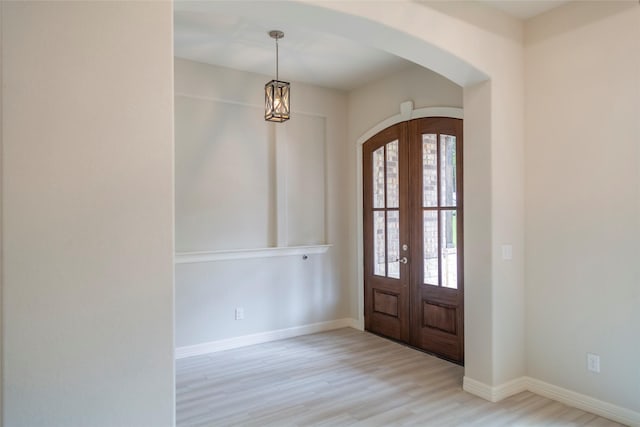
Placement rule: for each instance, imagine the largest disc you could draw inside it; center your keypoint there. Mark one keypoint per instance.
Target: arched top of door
(408, 113)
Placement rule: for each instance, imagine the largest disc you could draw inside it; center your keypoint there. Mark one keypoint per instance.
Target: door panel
(437, 291)
(385, 161)
(413, 235)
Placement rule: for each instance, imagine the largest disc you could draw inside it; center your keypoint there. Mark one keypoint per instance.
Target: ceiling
(237, 42)
(223, 36)
(524, 9)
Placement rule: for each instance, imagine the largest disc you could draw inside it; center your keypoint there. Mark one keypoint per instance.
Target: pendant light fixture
(276, 92)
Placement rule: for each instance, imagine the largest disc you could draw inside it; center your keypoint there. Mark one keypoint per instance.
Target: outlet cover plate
(593, 363)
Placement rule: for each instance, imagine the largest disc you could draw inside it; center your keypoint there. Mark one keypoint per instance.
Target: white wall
(1, 257)
(372, 103)
(583, 198)
(242, 182)
(225, 178)
(294, 173)
(87, 214)
(478, 297)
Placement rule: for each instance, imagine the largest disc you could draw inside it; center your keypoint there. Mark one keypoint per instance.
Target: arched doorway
(487, 69)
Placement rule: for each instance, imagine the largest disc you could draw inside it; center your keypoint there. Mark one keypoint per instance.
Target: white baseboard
(497, 393)
(358, 324)
(559, 394)
(586, 403)
(242, 341)
(477, 388)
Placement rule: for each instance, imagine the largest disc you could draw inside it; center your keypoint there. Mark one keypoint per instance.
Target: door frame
(407, 112)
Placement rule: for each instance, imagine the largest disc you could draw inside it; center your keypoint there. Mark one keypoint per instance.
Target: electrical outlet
(507, 252)
(239, 313)
(593, 363)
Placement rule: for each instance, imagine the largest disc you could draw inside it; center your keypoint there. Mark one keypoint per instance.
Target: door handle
(404, 260)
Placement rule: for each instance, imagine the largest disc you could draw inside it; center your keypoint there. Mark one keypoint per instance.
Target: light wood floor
(346, 377)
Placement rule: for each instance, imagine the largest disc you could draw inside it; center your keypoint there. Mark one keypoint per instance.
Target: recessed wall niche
(243, 183)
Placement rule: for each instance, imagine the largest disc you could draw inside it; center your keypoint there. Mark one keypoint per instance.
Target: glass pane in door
(448, 171)
(429, 170)
(392, 175)
(379, 243)
(449, 248)
(430, 236)
(393, 242)
(378, 178)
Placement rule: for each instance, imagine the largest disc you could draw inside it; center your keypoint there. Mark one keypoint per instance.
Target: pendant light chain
(277, 58)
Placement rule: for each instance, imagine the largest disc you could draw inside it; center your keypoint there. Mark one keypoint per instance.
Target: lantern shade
(276, 101)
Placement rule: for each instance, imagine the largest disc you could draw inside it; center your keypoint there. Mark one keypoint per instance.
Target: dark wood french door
(413, 266)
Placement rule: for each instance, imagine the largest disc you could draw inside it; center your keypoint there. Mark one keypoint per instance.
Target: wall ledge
(559, 394)
(209, 256)
(262, 337)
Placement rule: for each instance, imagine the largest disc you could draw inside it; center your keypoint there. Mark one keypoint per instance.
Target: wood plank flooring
(347, 378)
